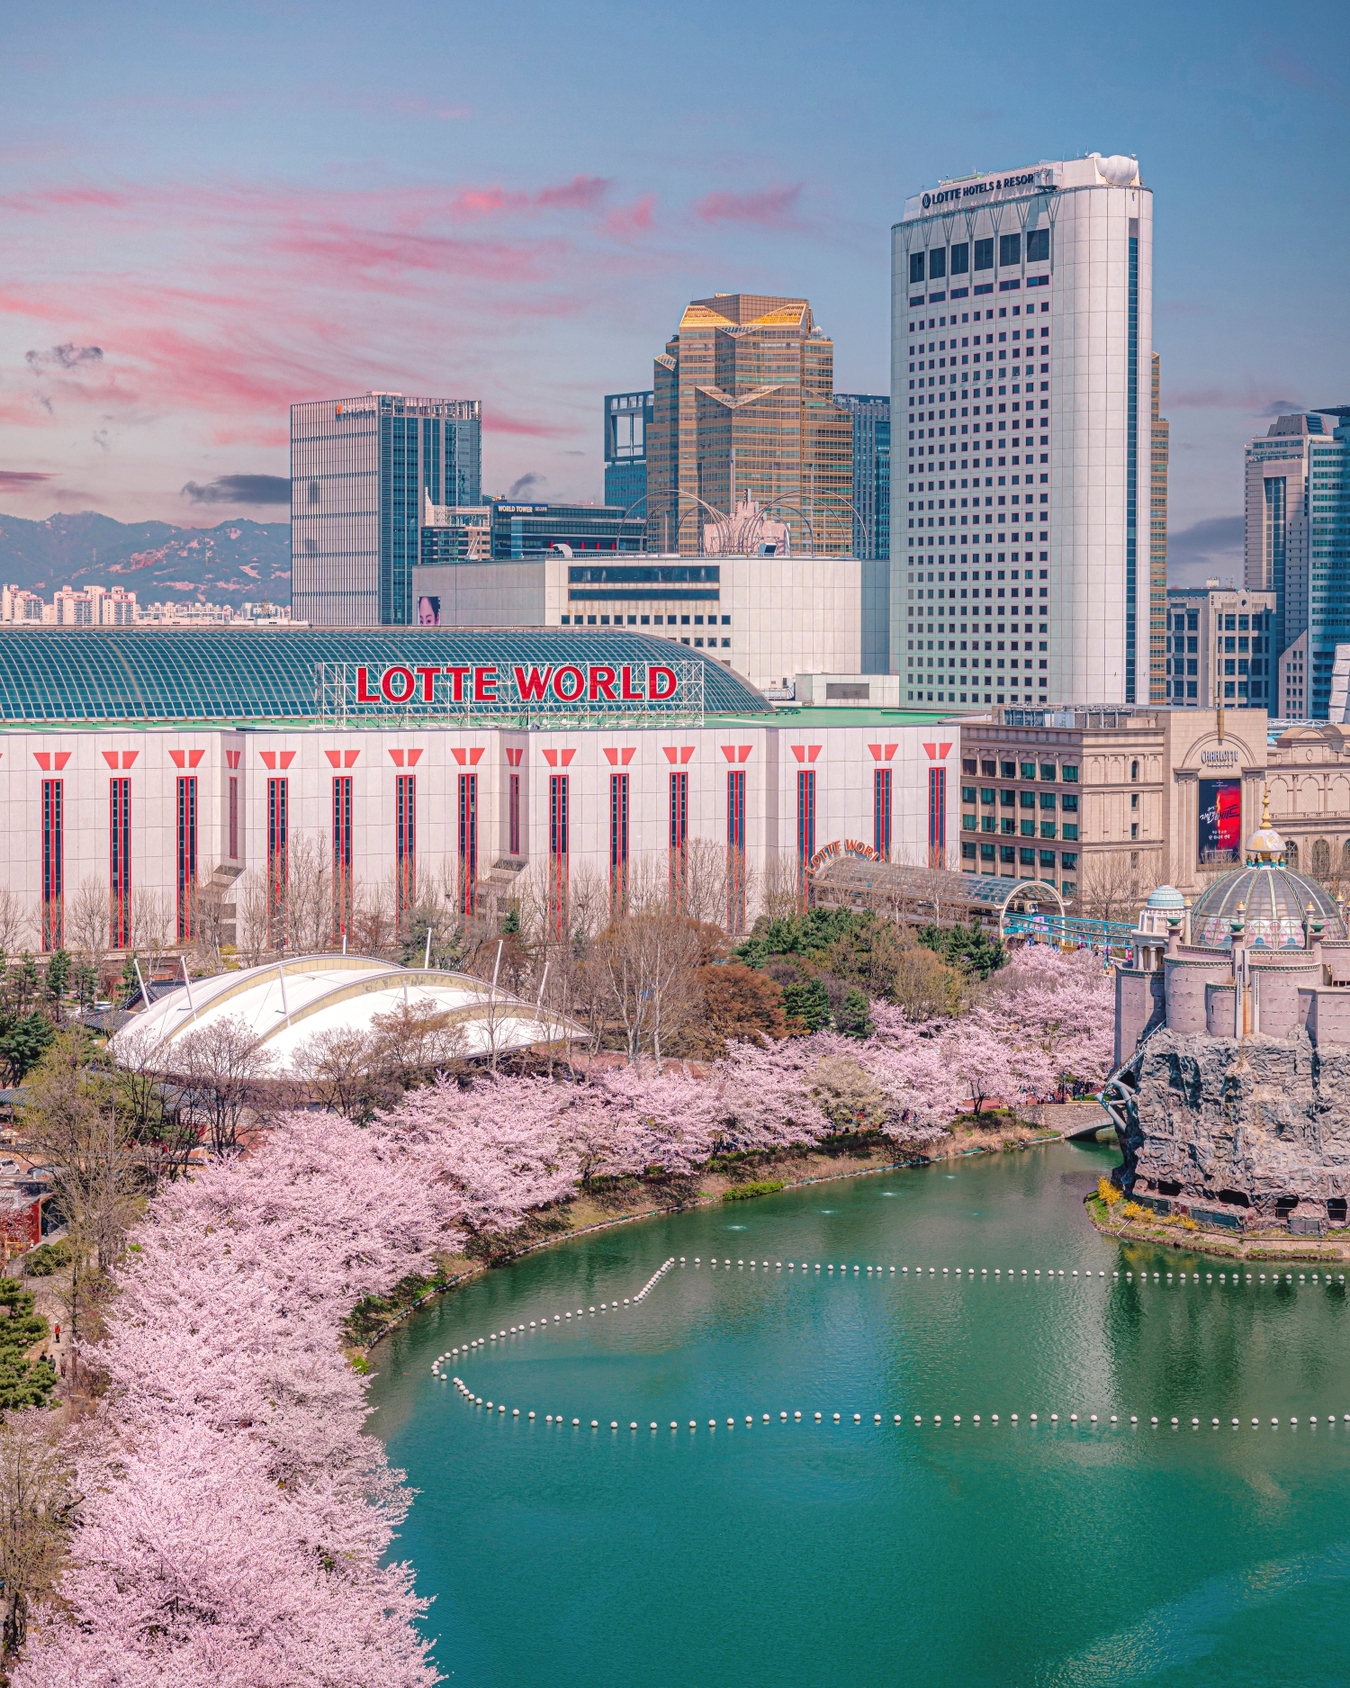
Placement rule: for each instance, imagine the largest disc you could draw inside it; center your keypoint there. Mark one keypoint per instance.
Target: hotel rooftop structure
(1021, 356)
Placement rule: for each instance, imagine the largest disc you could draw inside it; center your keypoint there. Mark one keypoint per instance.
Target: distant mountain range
(227, 564)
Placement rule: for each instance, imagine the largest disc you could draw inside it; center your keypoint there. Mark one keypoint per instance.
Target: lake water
(834, 1554)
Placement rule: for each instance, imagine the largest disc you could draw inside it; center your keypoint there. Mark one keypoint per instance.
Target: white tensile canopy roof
(288, 1004)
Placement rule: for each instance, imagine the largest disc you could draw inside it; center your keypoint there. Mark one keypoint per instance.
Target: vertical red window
(679, 838)
(881, 812)
(278, 843)
(185, 858)
(736, 850)
(937, 817)
(513, 815)
(119, 864)
(53, 863)
(558, 846)
(806, 815)
(405, 842)
(618, 840)
(468, 841)
(342, 854)
(234, 817)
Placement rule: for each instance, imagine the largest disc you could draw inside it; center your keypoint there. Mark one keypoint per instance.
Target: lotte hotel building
(1021, 352)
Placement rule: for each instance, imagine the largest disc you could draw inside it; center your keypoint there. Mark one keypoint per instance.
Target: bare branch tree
(37, 1505)
(152, 917)
(16, 921)
(225, 1070)
(87, 921)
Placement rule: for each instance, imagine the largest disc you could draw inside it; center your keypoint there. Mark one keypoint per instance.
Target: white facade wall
(768, 618)
(1091, 406)
(772, 751)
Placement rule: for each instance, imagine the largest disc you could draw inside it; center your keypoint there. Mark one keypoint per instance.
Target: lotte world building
(167, 772)
(1021, 353)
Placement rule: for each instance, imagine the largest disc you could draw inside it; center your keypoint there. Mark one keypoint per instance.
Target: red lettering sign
(570, 692)
(406, 681)
(628, 694)
(485, 685)
(532, 685)
(429, 677)
(661, 683)
(363, 691)
(601, 683)
(457, 683)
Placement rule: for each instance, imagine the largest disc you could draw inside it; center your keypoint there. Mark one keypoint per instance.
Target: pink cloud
(625, 221)
(769, 208)
(19, 480)
(582, 193)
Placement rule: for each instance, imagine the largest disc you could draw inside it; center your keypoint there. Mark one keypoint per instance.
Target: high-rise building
(362, 471)
(1157, 545)
(1297, 543)
(743, 411)
(1218, 647)
(627, 418)
(1021, 339)
(871, 413)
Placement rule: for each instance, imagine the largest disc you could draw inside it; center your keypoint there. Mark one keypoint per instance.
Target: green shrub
(41, 1262)
(760, 1187)
(23, 1382)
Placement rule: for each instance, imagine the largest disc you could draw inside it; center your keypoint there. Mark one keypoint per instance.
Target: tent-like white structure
(287, 1004)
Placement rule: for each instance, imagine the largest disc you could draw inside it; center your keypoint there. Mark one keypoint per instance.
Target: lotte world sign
(570, 682)
(510, 692)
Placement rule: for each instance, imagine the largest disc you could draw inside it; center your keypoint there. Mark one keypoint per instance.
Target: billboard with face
(1220, 820)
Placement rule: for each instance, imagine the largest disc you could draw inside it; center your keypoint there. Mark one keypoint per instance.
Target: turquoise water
(841, 1555)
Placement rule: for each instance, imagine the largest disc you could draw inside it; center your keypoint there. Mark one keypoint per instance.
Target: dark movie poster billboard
(1220, 820)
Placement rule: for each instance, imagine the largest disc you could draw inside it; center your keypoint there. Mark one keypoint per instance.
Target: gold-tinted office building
(744, 410)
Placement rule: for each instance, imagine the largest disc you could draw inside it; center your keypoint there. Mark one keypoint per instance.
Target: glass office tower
(627, 419)
(363, 471)
(1276, 540)
(871, 413)
(743, 410)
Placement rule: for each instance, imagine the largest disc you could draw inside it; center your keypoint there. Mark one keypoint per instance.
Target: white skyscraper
(1021, 351)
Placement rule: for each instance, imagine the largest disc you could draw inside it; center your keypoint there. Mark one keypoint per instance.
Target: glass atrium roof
(91, 676)
(1273, 901)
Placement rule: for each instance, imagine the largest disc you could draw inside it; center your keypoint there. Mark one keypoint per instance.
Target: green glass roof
(89, 676)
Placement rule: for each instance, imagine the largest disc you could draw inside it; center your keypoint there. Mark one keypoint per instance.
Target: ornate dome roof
(1165, 896)
(1272, 900)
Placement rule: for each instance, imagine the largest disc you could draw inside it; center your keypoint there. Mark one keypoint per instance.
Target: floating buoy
(857, 1418)
(783, 1417)
(796, 1415)
(766, 1418)
(836, 1418)
(749, 1418)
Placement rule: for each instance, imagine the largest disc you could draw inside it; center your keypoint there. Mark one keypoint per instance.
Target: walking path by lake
(1084, 1545)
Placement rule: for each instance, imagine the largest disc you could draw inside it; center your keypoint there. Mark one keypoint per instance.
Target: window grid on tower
(53, 864)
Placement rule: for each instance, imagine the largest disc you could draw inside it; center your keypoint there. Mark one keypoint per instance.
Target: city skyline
(160, 317)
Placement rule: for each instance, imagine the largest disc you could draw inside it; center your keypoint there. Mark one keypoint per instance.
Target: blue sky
(206, 214)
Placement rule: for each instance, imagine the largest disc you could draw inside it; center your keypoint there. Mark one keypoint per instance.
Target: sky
(210, 213)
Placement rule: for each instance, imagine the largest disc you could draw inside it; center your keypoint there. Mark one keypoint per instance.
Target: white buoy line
(544, 1323)
(1227, 1277)
(934, 1421)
